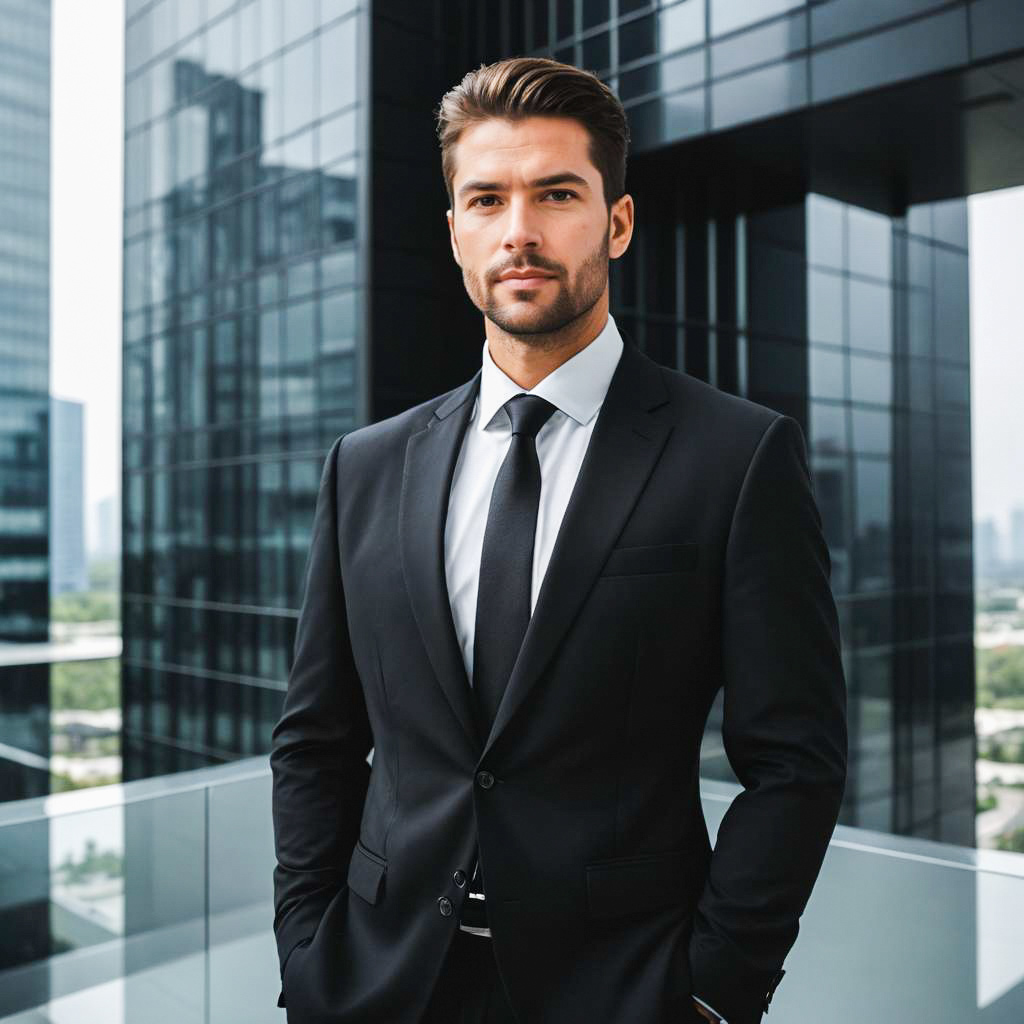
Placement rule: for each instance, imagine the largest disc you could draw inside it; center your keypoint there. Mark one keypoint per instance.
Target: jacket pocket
(366, 872)
(642, 882)
(651, 558)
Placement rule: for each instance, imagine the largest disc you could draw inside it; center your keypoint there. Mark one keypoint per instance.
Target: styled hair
(521, 87)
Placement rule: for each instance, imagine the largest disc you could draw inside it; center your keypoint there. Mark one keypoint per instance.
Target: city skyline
(86, 272)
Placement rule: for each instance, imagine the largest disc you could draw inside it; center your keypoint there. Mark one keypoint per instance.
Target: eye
(550, 192)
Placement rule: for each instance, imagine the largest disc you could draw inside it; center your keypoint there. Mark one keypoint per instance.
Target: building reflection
(24, 395)
(801, 241)
(241, 365)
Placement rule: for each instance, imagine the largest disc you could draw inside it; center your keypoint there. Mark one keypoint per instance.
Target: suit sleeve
(784, 731)
(320, 743)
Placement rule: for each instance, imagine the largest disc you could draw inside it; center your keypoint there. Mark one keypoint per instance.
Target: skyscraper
(68, 568)
(24, 394)
(799, 171)
(24, 320)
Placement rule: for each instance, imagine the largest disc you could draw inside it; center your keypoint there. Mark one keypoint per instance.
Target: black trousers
(469, 989)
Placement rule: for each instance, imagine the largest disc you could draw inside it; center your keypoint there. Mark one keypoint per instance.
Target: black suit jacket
(691, 556)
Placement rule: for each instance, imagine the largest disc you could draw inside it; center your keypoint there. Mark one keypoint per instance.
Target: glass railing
(152, 902)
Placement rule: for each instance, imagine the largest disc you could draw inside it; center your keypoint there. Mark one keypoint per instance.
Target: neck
(528, 359)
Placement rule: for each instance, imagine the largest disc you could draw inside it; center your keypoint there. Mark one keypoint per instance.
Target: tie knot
(528, 413)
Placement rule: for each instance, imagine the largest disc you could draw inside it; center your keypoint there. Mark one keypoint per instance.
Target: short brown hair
(521, 87)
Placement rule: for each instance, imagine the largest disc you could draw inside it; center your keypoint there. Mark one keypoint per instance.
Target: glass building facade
(799, 171)
(244, 298)
(24, 393)
(24, 319)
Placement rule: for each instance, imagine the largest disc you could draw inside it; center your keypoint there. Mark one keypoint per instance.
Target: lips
(533, 281)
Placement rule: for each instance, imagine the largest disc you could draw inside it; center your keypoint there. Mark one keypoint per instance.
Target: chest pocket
(651, 558)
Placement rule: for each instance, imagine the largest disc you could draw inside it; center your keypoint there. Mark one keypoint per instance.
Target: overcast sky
(995, 221)
(87, 141)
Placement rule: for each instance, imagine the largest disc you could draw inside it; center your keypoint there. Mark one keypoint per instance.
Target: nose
(521, 228)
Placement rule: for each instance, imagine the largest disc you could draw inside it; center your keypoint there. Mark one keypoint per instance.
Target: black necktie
(506, 575)
(506, 564)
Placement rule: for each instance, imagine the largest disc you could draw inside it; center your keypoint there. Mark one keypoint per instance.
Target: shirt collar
(577, 387)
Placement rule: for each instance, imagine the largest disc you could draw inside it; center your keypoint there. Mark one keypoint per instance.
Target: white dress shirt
(577, 389)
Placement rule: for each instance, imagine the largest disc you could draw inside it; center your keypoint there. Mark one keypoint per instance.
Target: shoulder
(726, 420)
(386, 436)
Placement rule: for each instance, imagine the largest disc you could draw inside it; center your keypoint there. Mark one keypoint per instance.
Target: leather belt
(473, 918)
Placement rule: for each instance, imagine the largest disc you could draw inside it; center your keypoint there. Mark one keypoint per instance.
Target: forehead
(526, 148)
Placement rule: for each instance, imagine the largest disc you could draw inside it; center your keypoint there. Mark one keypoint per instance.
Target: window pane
(681, 25)
(298, 87)
(870, 315)
(338, 66)
(870, 379)
(729, 15)
(828, 372)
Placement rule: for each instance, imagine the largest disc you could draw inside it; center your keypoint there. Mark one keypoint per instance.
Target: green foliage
(95, 862)
(105, 574)
(60, 783)
(1013, 841)
(91, 606)
(985, 803)
(86, 685)
(1000, 676)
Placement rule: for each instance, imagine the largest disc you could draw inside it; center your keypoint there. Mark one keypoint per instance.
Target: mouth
(525, 282)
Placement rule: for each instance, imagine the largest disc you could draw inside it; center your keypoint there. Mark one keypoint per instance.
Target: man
(523, 596)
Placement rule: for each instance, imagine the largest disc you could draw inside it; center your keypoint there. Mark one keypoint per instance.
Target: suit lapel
(430, 458)
(631, 429)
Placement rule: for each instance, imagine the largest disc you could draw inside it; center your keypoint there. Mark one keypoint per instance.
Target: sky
(86, 144)
(86, 233)
(996, 247)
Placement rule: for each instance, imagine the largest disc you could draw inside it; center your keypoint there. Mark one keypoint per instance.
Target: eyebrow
(561, 178)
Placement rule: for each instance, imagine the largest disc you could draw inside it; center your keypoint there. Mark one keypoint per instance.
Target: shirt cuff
(721, 1019)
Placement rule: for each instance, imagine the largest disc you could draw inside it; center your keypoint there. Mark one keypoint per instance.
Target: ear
(621, 228)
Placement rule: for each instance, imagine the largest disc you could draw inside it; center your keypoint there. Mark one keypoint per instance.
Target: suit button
(445, 906)
(484, 779)
(460, 878)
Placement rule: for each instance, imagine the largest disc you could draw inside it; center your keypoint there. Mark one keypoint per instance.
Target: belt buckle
(473, 919)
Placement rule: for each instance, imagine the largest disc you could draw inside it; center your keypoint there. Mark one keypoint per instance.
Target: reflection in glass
(825, 232)
(870, 379)
(870, 315)
(681, 25)
(637, 39)
(729, 15)
(828, 372)
(870, 243)
(872, 430)
(338, 66)
(825, 306)
(771, 41)
(297, 71)
(759, 93)
(873, 522)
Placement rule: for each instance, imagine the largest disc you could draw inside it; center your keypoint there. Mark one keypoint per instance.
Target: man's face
(527, 197)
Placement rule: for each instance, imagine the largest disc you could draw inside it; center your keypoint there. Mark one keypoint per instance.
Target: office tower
(799, 172)
(988, 548)
(24, 320)
(107, 518)
(68, 569)
(24, 395)
(1017, 536)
